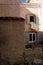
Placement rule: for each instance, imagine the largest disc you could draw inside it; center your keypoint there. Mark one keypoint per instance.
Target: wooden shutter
(37, 20)
(28, 19)
(40, 39)
(26, 37)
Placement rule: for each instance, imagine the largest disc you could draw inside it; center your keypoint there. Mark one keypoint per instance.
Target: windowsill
(31, 42)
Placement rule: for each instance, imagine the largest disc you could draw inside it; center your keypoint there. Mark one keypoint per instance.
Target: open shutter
(27, 37)
(28, 19)
(37, 20)
(40, 39)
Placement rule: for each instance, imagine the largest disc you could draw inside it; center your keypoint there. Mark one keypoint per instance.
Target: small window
(30, 18)
(32, 37)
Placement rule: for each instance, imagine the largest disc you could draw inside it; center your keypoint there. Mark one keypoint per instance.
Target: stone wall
(12, 39)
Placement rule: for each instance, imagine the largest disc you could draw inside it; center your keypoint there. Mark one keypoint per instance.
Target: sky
(22, 0)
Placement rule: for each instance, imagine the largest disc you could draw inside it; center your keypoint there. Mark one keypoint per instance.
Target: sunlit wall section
(34, 1)
(41, 19)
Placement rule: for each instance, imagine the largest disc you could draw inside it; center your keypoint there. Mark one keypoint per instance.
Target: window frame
(29, 18)
(32, 37)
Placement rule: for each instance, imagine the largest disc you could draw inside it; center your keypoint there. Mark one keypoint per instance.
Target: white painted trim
(32, 37)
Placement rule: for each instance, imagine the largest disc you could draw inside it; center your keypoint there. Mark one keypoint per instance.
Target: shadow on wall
(3, 38)
(3, 41)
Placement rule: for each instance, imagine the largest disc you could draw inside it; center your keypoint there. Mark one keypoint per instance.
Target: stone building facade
(15, 20)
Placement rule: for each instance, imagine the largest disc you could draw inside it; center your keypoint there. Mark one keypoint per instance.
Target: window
(30, 18)
(32, 37)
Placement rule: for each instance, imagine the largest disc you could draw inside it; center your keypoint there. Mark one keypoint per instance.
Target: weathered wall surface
(9, 1)
(12, 39)
(9, 8)
(12, 42)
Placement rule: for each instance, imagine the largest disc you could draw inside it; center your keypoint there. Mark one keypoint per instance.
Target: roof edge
(12, 18)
